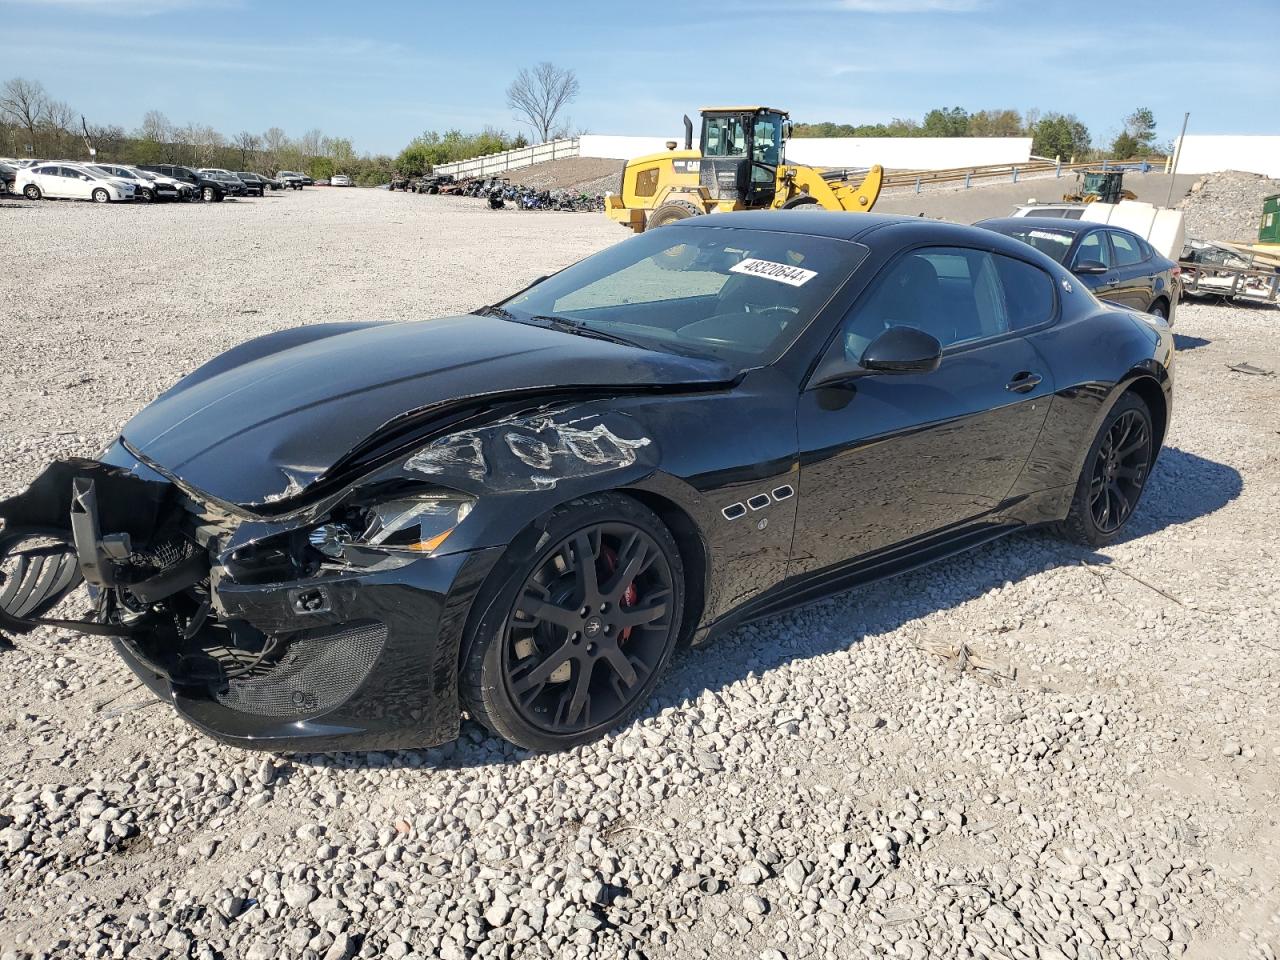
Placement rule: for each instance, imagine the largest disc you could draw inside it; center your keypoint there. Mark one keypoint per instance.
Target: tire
(147, 195)
(1112, 481)
(208, 194)
(1159, 309)
(100, 196)
(32, 192)
(558, 677)
(802, 202)
(670, 212)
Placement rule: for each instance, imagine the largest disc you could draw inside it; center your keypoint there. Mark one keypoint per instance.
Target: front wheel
(672, 211)
(578, 626)
(101, 196)
(1114, 475)
(208, 194)
(147, 196)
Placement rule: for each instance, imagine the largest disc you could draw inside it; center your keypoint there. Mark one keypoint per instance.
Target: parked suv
(71, 181)
(256, 184)
(291, 179)
(234, 185)
(209, 189)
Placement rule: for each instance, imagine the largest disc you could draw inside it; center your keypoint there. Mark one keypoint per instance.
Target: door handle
(1024, 382)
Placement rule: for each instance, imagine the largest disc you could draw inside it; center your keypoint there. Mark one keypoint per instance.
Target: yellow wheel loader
(738, 165)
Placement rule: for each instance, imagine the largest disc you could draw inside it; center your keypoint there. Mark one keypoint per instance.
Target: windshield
(120, 174)
(742, 296)
(1055, 243)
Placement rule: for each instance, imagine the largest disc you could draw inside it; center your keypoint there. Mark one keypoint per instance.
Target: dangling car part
(342, 536)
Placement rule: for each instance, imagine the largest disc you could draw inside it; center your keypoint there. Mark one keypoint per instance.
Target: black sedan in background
(340, 536)
(1116, 264)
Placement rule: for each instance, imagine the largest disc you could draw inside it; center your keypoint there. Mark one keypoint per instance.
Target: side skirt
(810, 587)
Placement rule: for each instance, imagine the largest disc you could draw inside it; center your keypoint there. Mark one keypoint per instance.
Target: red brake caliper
(629, 596)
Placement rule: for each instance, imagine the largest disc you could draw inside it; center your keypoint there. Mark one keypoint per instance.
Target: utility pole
(1176, 154)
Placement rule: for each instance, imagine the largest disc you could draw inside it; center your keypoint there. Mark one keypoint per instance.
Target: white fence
(895, 153)
(496, 163)
(1210, 154)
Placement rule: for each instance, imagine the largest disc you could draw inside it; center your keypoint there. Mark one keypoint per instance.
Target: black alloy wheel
(1115, 474)
(580, 635)
(1120, 470)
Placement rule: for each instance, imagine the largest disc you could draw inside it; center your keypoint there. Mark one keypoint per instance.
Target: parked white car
(340, 180)
(71, 181)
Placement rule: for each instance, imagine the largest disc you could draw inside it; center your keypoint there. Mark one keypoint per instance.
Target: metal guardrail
(511, 159)
(1012, 171)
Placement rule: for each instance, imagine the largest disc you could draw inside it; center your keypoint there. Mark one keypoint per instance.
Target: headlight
(415, 525)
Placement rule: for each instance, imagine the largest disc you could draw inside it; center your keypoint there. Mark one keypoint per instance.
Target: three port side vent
(735, 511)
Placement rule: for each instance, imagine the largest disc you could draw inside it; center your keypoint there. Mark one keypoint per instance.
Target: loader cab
(741, 149)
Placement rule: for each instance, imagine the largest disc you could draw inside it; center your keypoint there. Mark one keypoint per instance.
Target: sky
(382, 72)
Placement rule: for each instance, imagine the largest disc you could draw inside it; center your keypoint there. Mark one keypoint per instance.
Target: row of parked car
(116, 182)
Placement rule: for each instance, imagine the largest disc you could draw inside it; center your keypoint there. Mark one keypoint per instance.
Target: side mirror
(897, 350)
(1087, 268)
(903, 350)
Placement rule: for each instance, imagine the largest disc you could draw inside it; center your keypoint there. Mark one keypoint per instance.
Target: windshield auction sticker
(781, 272)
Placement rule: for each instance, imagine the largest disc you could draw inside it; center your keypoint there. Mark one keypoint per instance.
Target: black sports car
(341, 536)
(1116, 264)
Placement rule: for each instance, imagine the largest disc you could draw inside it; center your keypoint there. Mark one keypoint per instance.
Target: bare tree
(155, 127)
(247, 144)
(26, 105)
(312, 143)
(539, 95)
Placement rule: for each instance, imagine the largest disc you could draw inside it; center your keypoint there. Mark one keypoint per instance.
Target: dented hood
(268, 419)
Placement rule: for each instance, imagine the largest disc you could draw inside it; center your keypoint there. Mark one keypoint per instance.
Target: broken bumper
(339, 658)
(374, 668)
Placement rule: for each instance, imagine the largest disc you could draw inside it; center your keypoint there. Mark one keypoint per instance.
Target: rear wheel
(1114, 475)
(100, 195)
(671, 211)
(577, 629)
(31, 192)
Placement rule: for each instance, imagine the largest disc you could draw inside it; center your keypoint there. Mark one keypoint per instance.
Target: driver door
(891, 458)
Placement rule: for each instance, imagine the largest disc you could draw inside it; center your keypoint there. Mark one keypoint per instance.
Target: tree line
(34, 124)
(1052, 134)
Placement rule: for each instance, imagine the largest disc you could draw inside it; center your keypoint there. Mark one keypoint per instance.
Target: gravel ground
(1031, 752)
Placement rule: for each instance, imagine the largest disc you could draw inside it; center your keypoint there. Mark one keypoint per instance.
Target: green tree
(1059, 135)
(1137, 137)
(946, 123)
(995, 123)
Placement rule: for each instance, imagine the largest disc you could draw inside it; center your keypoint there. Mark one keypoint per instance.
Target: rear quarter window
(1028, 293)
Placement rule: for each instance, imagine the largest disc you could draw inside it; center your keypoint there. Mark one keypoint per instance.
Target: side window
(1126, 248)
(1028, 292)
(954, 293)
(1095, 247)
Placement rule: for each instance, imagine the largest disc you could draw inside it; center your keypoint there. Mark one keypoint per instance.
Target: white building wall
(899, 153)
(1209, 154)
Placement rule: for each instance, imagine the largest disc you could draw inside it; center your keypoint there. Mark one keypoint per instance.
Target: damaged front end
(334, 619)
(322, 630)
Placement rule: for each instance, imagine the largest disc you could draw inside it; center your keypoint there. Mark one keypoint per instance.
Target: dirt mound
(586, 174)
(1227, 205)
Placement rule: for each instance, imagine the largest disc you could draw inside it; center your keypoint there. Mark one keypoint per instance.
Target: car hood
(264, 422)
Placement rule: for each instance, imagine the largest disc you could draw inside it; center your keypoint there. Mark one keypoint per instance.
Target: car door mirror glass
(1087, 268)
(903, 350)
